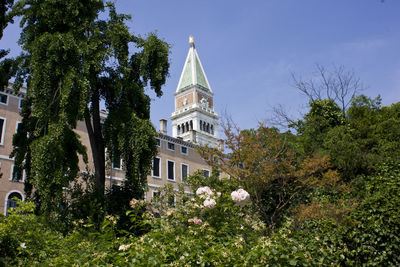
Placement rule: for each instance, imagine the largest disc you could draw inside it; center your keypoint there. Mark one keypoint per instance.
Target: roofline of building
(177, 140)
(10, 90)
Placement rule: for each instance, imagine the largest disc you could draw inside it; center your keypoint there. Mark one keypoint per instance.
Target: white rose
(235, 196)
(240, 197)
(205, 190)
(209, 203)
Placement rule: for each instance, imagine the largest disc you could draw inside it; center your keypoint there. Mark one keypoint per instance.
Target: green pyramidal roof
(193, 72)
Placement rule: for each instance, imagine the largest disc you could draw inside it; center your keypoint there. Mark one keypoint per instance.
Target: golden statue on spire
(191, 39)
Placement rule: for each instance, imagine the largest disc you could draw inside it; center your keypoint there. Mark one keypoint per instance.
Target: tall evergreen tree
(73, 60)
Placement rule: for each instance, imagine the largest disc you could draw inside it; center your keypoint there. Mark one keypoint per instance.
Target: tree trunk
(93, 125)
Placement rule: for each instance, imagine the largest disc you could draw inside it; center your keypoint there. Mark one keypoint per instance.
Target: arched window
(201, 126)
(187, 126)
(191, 125)
(208, 127)
(11, 201)
(212, 129)
(204, 126)
(183, 127)
(179, 129)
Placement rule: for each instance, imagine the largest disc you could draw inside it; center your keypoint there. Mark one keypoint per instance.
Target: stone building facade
(10, 107)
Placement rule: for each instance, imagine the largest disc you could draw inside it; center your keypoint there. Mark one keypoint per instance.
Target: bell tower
(194, 118)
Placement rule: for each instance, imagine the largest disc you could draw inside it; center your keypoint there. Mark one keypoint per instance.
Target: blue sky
(250, 48)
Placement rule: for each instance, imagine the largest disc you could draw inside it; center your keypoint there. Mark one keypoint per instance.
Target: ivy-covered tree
(72, 62)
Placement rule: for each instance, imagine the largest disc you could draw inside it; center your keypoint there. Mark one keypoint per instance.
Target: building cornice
(10, 90)
(191, 108)
(197, 86)
(177, 141)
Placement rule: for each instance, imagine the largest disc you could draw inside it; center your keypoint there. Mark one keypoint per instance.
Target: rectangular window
(117, 163)
(158, 142)
(171, 201)
(2, 130)
(156, 195)
(17, 126)
(171, 146)
(184, 150)
(3, 99)
(156, 167)
(171, 170)
(17, 176)
(20, 103)
(185, 172)
(206, 173)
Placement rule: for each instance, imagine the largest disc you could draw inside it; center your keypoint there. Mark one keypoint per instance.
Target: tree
(73, 60)
(312, 129)
(375, 130)
(338, 84)
(6, 65)
(267, 165)
(356, 143)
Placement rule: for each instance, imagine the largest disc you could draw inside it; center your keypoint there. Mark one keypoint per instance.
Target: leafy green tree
(6, 65)
(370, 136)
(4, 7)
(345, 152)
(376, 125)
(72, 61)
(312, 129)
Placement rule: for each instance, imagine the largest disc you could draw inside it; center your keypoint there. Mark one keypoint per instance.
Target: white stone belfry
(194, 118)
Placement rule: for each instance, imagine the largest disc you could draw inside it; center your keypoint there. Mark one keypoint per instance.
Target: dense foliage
(358, 142)
(191, 232)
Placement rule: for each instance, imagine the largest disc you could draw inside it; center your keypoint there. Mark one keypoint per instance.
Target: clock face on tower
(204, 102)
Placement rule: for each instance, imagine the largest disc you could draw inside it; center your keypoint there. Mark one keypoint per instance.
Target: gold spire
(191, 39)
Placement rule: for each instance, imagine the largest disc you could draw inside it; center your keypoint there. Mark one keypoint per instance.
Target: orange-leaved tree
(265, 162)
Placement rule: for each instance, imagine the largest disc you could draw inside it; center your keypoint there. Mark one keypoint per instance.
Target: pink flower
(195, 220)
(209, 203)
(240, 197)
(132, 203)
